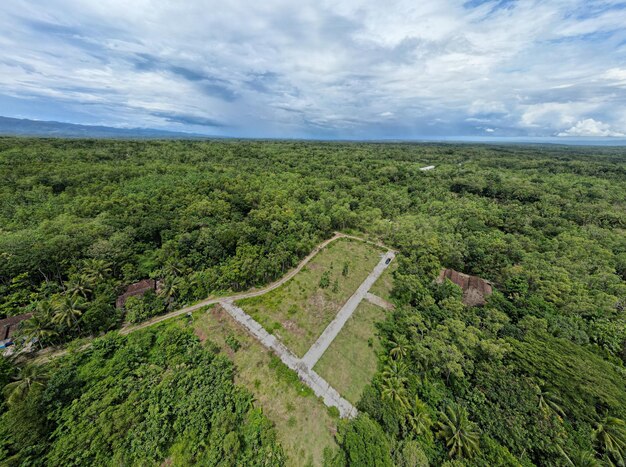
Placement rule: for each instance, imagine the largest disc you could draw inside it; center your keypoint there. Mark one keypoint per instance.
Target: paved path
(332, 330)
(319, 386)
(379, 301)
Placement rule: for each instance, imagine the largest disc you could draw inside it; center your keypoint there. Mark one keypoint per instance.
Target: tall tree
(459, 434)
(610, 438)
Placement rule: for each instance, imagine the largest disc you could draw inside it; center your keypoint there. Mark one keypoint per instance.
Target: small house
(8, 326)
(475, 289)
(138, 288)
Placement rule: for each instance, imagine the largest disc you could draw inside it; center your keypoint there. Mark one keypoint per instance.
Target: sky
(320, 69)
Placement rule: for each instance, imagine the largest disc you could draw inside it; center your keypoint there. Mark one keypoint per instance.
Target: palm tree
(79, 285)
(460, 435)
(38, 327)
(418, 417)
(550, 402)
(67, 311)
(29, 377)
(394, 390)
(580, 458)
(395, 369)
(610, 438)
(170, 287)
(96, 270)
(399, 348)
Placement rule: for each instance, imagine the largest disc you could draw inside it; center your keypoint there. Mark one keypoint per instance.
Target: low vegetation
(350, 362)
(154, 396)
(303, 424)
(298, 311)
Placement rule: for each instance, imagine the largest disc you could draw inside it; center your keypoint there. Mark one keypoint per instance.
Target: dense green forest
(535, 377)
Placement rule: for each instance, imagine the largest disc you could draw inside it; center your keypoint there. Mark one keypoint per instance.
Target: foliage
(364, 443)
(138, 400)
(540, 368)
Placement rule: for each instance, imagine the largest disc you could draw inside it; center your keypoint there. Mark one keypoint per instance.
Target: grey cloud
(189, 119)
(314, 68)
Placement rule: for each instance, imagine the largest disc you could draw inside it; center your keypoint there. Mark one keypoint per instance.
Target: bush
(232, 342)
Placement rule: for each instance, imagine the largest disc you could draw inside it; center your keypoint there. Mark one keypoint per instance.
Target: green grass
(382, 287)
(350, 362)
(303, 423)
(298, 311)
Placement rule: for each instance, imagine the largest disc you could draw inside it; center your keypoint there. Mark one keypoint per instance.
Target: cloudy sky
(320, 69)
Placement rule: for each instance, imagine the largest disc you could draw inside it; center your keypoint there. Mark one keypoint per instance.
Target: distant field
(303, 423)
(350, 361)
(298, 311)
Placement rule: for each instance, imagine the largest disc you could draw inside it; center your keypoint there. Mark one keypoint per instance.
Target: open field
(350, 361)
(303, 423)
(382, 287)
(298, 311)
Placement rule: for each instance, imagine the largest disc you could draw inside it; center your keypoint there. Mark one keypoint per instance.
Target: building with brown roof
(8, 326)
(475, 289)
(138, 288)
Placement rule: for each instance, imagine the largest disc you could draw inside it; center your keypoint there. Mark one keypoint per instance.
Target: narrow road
(332, 330)
(320, 387)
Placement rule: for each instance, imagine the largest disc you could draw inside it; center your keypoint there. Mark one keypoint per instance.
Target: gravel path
(332, 330)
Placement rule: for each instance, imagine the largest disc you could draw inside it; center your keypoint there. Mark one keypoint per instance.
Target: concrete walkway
(319, 386)
(379, 301)
(332, 330)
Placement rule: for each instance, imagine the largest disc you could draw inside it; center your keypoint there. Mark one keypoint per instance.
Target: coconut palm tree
(610, 438)
(393, 389)
(395, 369)
(28, 378)
(96, 270)
(549, 402)
(38, 328)
(399, 348)
(418, 417)
(79, 286)
(67, 311)
(170, 288)
(580, 458)
(460, 435)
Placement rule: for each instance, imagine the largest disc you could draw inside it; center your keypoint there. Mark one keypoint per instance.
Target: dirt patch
(314, 266)
(317, 303)
(201, 333)
(291, 326)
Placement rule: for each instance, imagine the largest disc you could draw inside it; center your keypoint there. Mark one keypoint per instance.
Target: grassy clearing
(350, 361)
(303, 423)
(298, 311)
(382, 287)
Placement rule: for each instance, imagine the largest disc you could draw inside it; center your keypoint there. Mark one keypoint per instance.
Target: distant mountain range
(24, 127)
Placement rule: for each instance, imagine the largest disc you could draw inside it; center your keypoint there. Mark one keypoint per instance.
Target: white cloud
(591, 127)
(279, 68)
